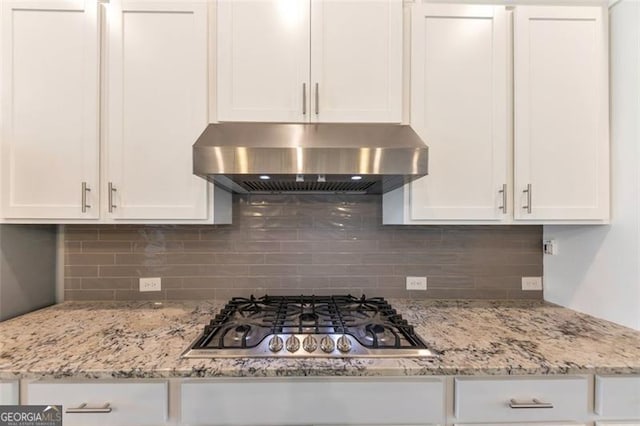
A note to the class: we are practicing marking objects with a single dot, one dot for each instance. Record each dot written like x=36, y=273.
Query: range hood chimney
x=319, y=158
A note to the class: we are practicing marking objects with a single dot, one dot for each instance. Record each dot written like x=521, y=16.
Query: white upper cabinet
x=513, y=138
x=459, y=107
x=561, y=114
x=356, y=60
x=309, y=60
x=50, y=86
x=157, y=107
x=263, y=60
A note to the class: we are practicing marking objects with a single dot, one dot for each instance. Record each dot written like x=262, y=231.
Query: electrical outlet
x=416, y=283
x=531, y=283
x=550, y=247
x=150, y=284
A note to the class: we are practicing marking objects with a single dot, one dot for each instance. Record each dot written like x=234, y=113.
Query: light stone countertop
x=80, y=340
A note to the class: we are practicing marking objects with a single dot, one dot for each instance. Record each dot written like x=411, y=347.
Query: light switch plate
x=417, y=283
x=150, y=284
x=531, y=283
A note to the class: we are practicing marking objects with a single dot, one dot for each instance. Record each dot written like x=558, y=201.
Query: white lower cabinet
x=631, y=423
x=341, y=401
x=8, y=393
x=522, y=424
x=618, y=398
x=351, y=401
x=622, y=423
x=123, y=403
x=521, y=400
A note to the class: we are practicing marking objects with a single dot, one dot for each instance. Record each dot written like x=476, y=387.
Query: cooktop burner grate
x=327, y=326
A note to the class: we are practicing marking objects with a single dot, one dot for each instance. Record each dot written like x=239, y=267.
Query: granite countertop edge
x=141, y=340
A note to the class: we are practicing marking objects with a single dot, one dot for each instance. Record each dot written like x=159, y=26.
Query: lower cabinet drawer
x=512, y=400
x=313, y=401
x=618, y=397
x=522, y=424
x=620, y=423
x=8, y=393
x=130, y=403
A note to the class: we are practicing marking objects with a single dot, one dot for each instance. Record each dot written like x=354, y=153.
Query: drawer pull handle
x=106, y=408
x=534, y=403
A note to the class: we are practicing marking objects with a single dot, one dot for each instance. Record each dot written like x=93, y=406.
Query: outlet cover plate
x=531, y=283
x=417, y=283
x=150, y=284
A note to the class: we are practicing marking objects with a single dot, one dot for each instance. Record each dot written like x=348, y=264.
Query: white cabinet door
x=157, y=107
x=500, y=400
x=618, y=397
x=561, y=114
x=8, y=393
x=263, y=60
x=356, y=60
x=459, y=107
x=296, y=401
x=50, y=85
x=522, y=424
x=130, y=403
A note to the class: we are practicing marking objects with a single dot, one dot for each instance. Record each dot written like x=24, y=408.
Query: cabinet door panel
x=343, y=402
x=459, y=107
x=263, y=60
x=488, y=400
x=561, y=113
x=8, y=393
x=356, y=60
x=157, y=82
x=618, y=397
x=49, y=109
x=132, y=403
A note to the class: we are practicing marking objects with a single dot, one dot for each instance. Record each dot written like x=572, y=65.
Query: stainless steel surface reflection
x=301, y=158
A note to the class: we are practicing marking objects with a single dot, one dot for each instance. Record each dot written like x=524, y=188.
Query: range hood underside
x=308, y=184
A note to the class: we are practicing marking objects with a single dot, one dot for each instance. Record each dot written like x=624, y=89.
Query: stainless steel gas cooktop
x=308, y=326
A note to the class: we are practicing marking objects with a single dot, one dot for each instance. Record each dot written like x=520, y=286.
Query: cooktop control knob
x=293, y=344
x=326, y=344
x=309, y=344
x=275, y=344
x=343, y=344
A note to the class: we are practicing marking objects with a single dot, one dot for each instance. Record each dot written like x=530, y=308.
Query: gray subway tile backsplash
x=294, y=244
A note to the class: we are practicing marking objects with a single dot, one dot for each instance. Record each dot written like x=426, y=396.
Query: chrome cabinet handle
x=317, y=98
x=304, y=98
x=106, y=408
x=528, y=192
x=85, y=189
x=534, y=403
x=112, y=189
x=503, y=191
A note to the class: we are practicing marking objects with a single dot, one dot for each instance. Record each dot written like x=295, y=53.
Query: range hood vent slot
x=292, y=186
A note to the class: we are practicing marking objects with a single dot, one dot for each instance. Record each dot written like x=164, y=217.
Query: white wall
x=597, y=268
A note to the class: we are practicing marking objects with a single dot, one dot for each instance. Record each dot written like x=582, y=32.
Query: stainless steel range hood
x=335, y=158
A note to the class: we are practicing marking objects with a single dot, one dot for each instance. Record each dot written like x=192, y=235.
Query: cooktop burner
x=308, y=326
